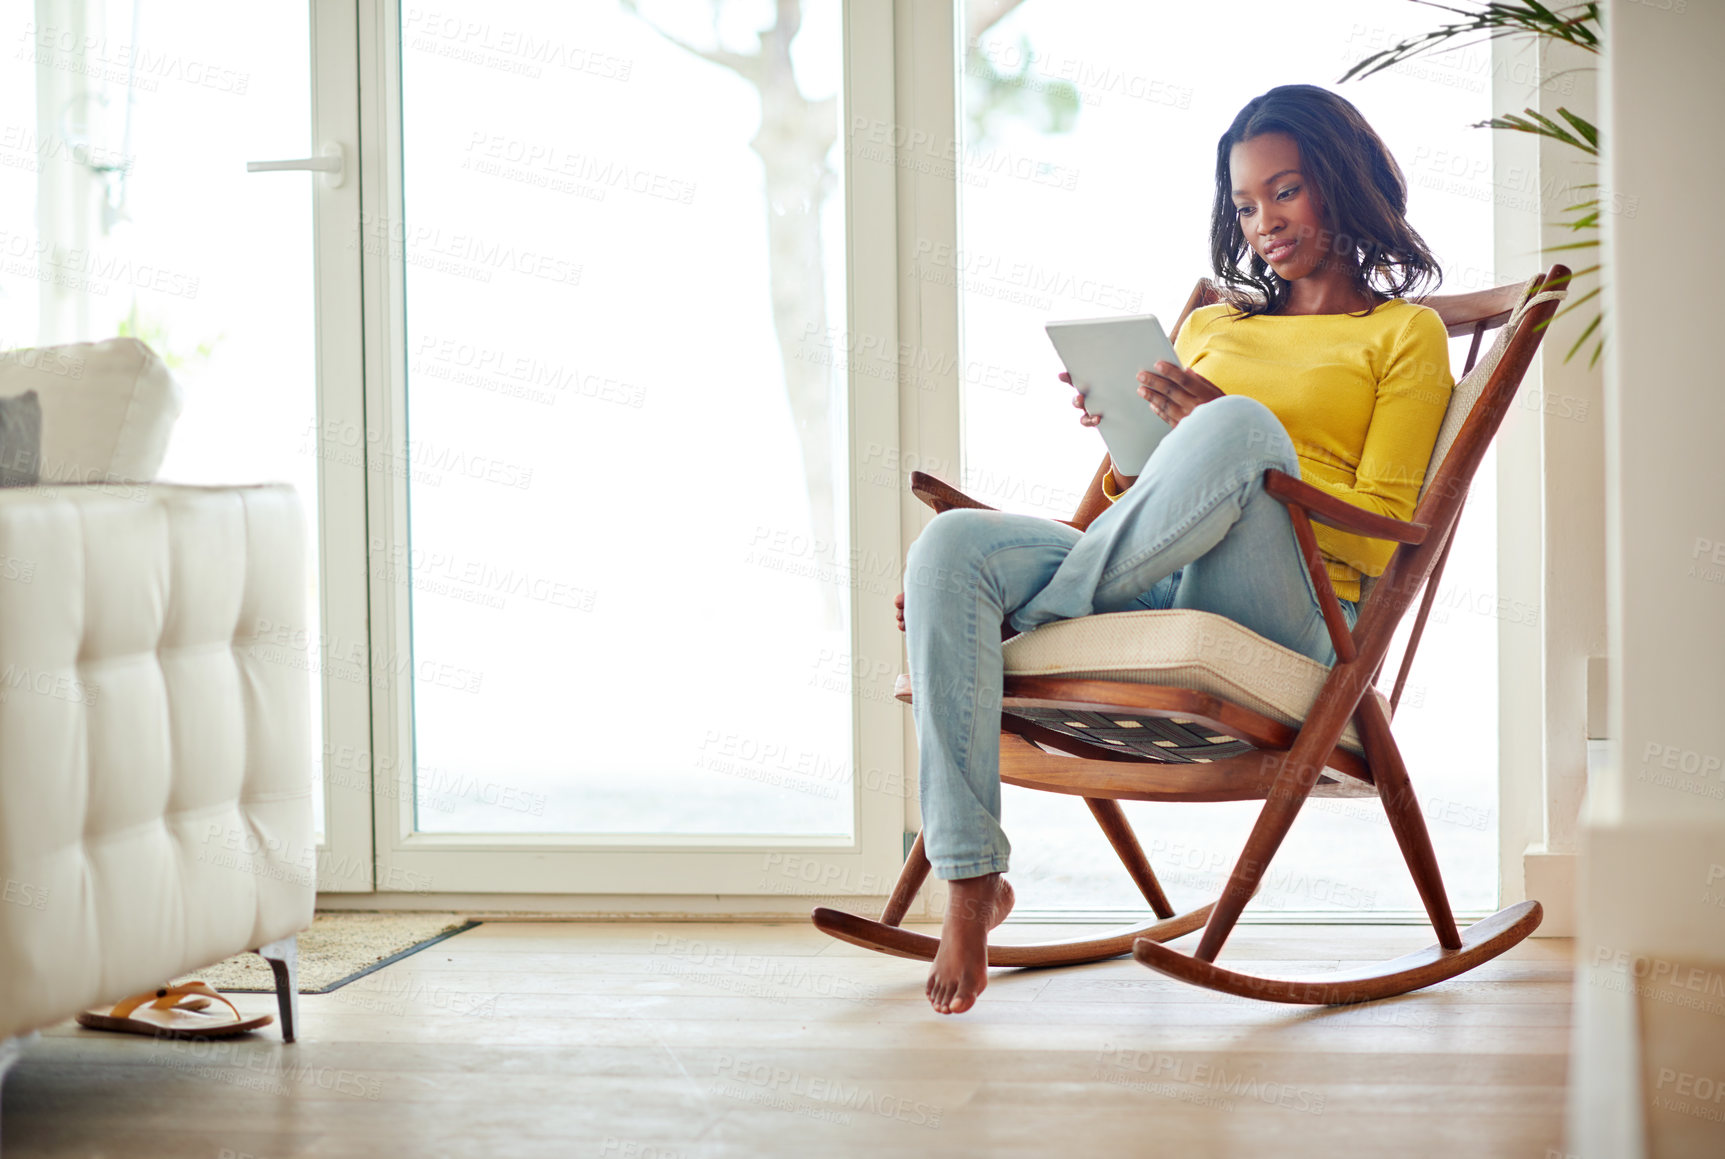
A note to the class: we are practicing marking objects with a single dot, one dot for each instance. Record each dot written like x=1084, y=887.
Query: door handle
x=331, y=163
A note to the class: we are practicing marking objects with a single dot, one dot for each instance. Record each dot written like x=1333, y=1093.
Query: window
x=1085, y=191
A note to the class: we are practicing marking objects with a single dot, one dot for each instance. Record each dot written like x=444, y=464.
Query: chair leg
x=1112, y=818
x=1293, y=785
x=1396, y=791
x=886, y=937
x=283, y=957
x=910, y=880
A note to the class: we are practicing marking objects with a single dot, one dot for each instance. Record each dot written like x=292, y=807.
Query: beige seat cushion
x=1178, y=649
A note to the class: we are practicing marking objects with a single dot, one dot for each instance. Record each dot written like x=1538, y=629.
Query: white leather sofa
x=155, y=763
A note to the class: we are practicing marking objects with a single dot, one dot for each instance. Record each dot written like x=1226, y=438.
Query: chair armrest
x=1325, y=508
x=944, y=497
x=940, y=495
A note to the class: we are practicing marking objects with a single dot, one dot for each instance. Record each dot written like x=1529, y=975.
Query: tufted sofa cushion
x=107, y=408
x=155, y=764
x=1178, y=649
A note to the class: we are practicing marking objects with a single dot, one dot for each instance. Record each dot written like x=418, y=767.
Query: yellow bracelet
x=1111, y=496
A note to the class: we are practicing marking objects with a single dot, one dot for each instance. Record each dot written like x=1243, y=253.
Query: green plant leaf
x=1591, y=327
x=1582, y=126
x=1511, y=121
x=1558, y=131
x=1502, y=18
x=1568, y=306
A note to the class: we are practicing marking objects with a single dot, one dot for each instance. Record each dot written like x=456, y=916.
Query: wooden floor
x=658, y=1041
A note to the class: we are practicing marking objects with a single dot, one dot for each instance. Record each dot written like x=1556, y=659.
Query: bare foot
x=974, y=905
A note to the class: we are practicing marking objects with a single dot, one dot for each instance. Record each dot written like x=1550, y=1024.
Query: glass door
x=615, y=540
x=126, y=208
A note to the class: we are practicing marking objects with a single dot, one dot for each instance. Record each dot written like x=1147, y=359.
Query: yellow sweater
x=1361, y=398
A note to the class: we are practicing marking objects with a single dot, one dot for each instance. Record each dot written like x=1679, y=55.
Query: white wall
x=1551, y=479
x=1571, y=413
x=1653, y=839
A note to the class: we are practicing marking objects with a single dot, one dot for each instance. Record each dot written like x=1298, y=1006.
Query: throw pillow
x=20, y=439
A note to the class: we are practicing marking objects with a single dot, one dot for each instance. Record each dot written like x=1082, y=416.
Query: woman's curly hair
x=1363, y=192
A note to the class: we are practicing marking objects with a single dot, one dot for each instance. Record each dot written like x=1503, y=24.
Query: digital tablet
x=1104, y=356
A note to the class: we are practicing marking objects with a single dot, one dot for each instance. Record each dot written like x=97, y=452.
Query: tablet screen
x=1104, y=356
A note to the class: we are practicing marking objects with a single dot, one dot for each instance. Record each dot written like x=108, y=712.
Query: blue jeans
x=1195, y=531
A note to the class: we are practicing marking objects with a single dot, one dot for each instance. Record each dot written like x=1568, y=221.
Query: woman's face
x=1278, y=211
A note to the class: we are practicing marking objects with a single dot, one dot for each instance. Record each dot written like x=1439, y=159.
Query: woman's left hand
x=1174, y=391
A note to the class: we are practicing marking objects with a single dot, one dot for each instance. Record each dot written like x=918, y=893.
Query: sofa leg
x=283, y=957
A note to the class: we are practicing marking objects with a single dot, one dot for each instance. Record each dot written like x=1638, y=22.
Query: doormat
x=338, y=948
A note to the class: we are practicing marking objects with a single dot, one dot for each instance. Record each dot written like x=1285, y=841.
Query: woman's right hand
x=1090, y=420
x=1085, y=419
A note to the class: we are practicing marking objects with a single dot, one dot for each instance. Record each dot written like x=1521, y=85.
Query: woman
x=1313, y=364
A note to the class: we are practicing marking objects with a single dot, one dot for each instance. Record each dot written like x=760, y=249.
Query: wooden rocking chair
x=1189, y=706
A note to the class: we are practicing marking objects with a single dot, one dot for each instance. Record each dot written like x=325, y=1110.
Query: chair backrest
x=1477, y=405
x=1501, y=308
x=1477, y=409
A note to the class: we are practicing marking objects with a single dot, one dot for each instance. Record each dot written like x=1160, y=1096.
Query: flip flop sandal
x=173, y=1012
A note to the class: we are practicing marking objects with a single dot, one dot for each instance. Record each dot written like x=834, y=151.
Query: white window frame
x=507, y=864
x=345, y=860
